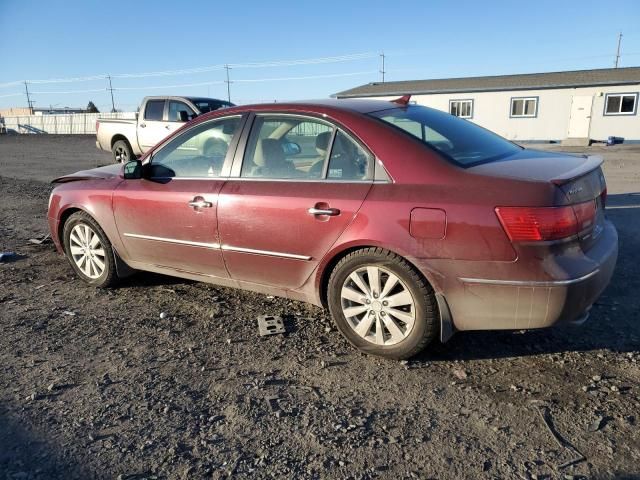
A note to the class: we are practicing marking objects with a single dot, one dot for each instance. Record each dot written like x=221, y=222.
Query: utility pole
x=29, y=102
x=228, y=82
x=113, y=104
x=382, y=70
x=618, y=51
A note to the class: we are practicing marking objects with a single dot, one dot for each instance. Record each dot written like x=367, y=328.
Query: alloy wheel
x=378, y=305
x=87, y=251
x=120, y=155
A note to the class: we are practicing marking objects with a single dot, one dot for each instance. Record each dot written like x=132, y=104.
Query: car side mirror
x=132, y=170
x=291, y=148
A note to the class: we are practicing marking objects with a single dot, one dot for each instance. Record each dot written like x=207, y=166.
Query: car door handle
x=167, y=127
x=324, y=211
x=200, y=203
x=142, y=125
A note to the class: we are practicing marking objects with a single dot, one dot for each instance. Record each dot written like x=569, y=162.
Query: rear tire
x=381, y=304
x=89, y=251
x=122, y=152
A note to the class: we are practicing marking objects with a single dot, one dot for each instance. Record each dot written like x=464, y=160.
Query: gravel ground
x=98, y=384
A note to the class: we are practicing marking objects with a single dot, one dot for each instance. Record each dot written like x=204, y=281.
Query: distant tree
x=91, y=108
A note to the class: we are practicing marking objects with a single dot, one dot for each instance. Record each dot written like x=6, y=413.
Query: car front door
x=152, y=127
x=175, y=112
x=300, y=183
x=168, y=218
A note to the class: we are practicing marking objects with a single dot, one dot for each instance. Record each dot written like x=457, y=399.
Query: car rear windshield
x=460, y=141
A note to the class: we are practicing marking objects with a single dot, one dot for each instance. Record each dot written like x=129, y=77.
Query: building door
x=580, y=119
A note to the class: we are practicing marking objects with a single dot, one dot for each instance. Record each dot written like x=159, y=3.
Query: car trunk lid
x=578, y=177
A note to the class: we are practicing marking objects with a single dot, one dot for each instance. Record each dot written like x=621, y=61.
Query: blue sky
x=421, y=39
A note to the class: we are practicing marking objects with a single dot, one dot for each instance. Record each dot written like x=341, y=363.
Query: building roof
x=528, y=81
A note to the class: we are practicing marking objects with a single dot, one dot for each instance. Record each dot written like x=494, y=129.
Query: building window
x=620, y=104
x=524, y=107
x=461, y=108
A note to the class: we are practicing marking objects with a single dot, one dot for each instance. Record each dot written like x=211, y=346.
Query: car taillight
x=530, y=224
x=585, y=215
x=603, y=197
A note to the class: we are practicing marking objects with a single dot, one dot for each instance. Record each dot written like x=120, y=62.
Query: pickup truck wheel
x=122, y=152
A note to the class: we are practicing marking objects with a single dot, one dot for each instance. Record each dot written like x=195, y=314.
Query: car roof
x=354, y=104
x=361, y=106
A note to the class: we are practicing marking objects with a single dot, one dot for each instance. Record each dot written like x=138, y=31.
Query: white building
x=575, y=106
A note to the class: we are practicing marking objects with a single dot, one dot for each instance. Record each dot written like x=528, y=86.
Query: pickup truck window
x=175, y=108
x=199, y=152
x=154, y=110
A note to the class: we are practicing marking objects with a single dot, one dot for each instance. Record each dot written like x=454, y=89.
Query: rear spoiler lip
x=591, y=163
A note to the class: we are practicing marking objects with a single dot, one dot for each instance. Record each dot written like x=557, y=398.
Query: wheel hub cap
x=378, y=305
x=87, y=251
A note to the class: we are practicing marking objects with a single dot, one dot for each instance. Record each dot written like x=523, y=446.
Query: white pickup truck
x=156, y=118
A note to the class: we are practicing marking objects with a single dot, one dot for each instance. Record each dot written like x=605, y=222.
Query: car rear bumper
x=503, y=304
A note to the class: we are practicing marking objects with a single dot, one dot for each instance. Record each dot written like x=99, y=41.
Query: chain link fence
x=66, y=123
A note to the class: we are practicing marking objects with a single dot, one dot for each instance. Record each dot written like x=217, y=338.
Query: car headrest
x=272, y=152
x=230, y=127
x=322, y=140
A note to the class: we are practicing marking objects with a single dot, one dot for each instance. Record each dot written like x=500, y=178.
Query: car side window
x=154, y=110
x=198, y=153
x=286, y=147
x=348, y=161
x=175, y=109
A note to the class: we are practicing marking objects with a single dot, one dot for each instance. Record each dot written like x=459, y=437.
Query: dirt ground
x=97, y=384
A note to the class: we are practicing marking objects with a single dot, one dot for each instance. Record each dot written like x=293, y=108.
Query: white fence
x=66, y=123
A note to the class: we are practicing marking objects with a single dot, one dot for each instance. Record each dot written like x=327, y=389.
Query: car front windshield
x=206, y=105
x=460, y=141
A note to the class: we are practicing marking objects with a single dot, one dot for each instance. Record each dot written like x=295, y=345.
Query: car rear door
x=168, y=218
x=153, y=127
x=295, y=186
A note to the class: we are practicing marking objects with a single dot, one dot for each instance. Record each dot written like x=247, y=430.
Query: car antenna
x=404, y=100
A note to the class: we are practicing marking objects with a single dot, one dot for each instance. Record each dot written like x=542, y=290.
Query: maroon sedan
x=406, y=222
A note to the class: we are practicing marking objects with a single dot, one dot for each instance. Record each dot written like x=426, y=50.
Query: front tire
x=89, y=251
x=381, y=304
x=122, y=152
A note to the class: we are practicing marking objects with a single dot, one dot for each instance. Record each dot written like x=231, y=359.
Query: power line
x=309, y=77
x=200, y=84
x=269, y=64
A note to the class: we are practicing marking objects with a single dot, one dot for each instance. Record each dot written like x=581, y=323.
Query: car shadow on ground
x=24, y=454
x=613, y=324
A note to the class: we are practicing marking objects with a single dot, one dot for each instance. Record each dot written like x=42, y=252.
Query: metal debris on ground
x=8, y=256
x=270, y=325
x=41, y=241
x=560, y=440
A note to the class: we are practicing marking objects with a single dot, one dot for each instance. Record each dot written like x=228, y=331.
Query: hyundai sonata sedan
x=407, y=223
